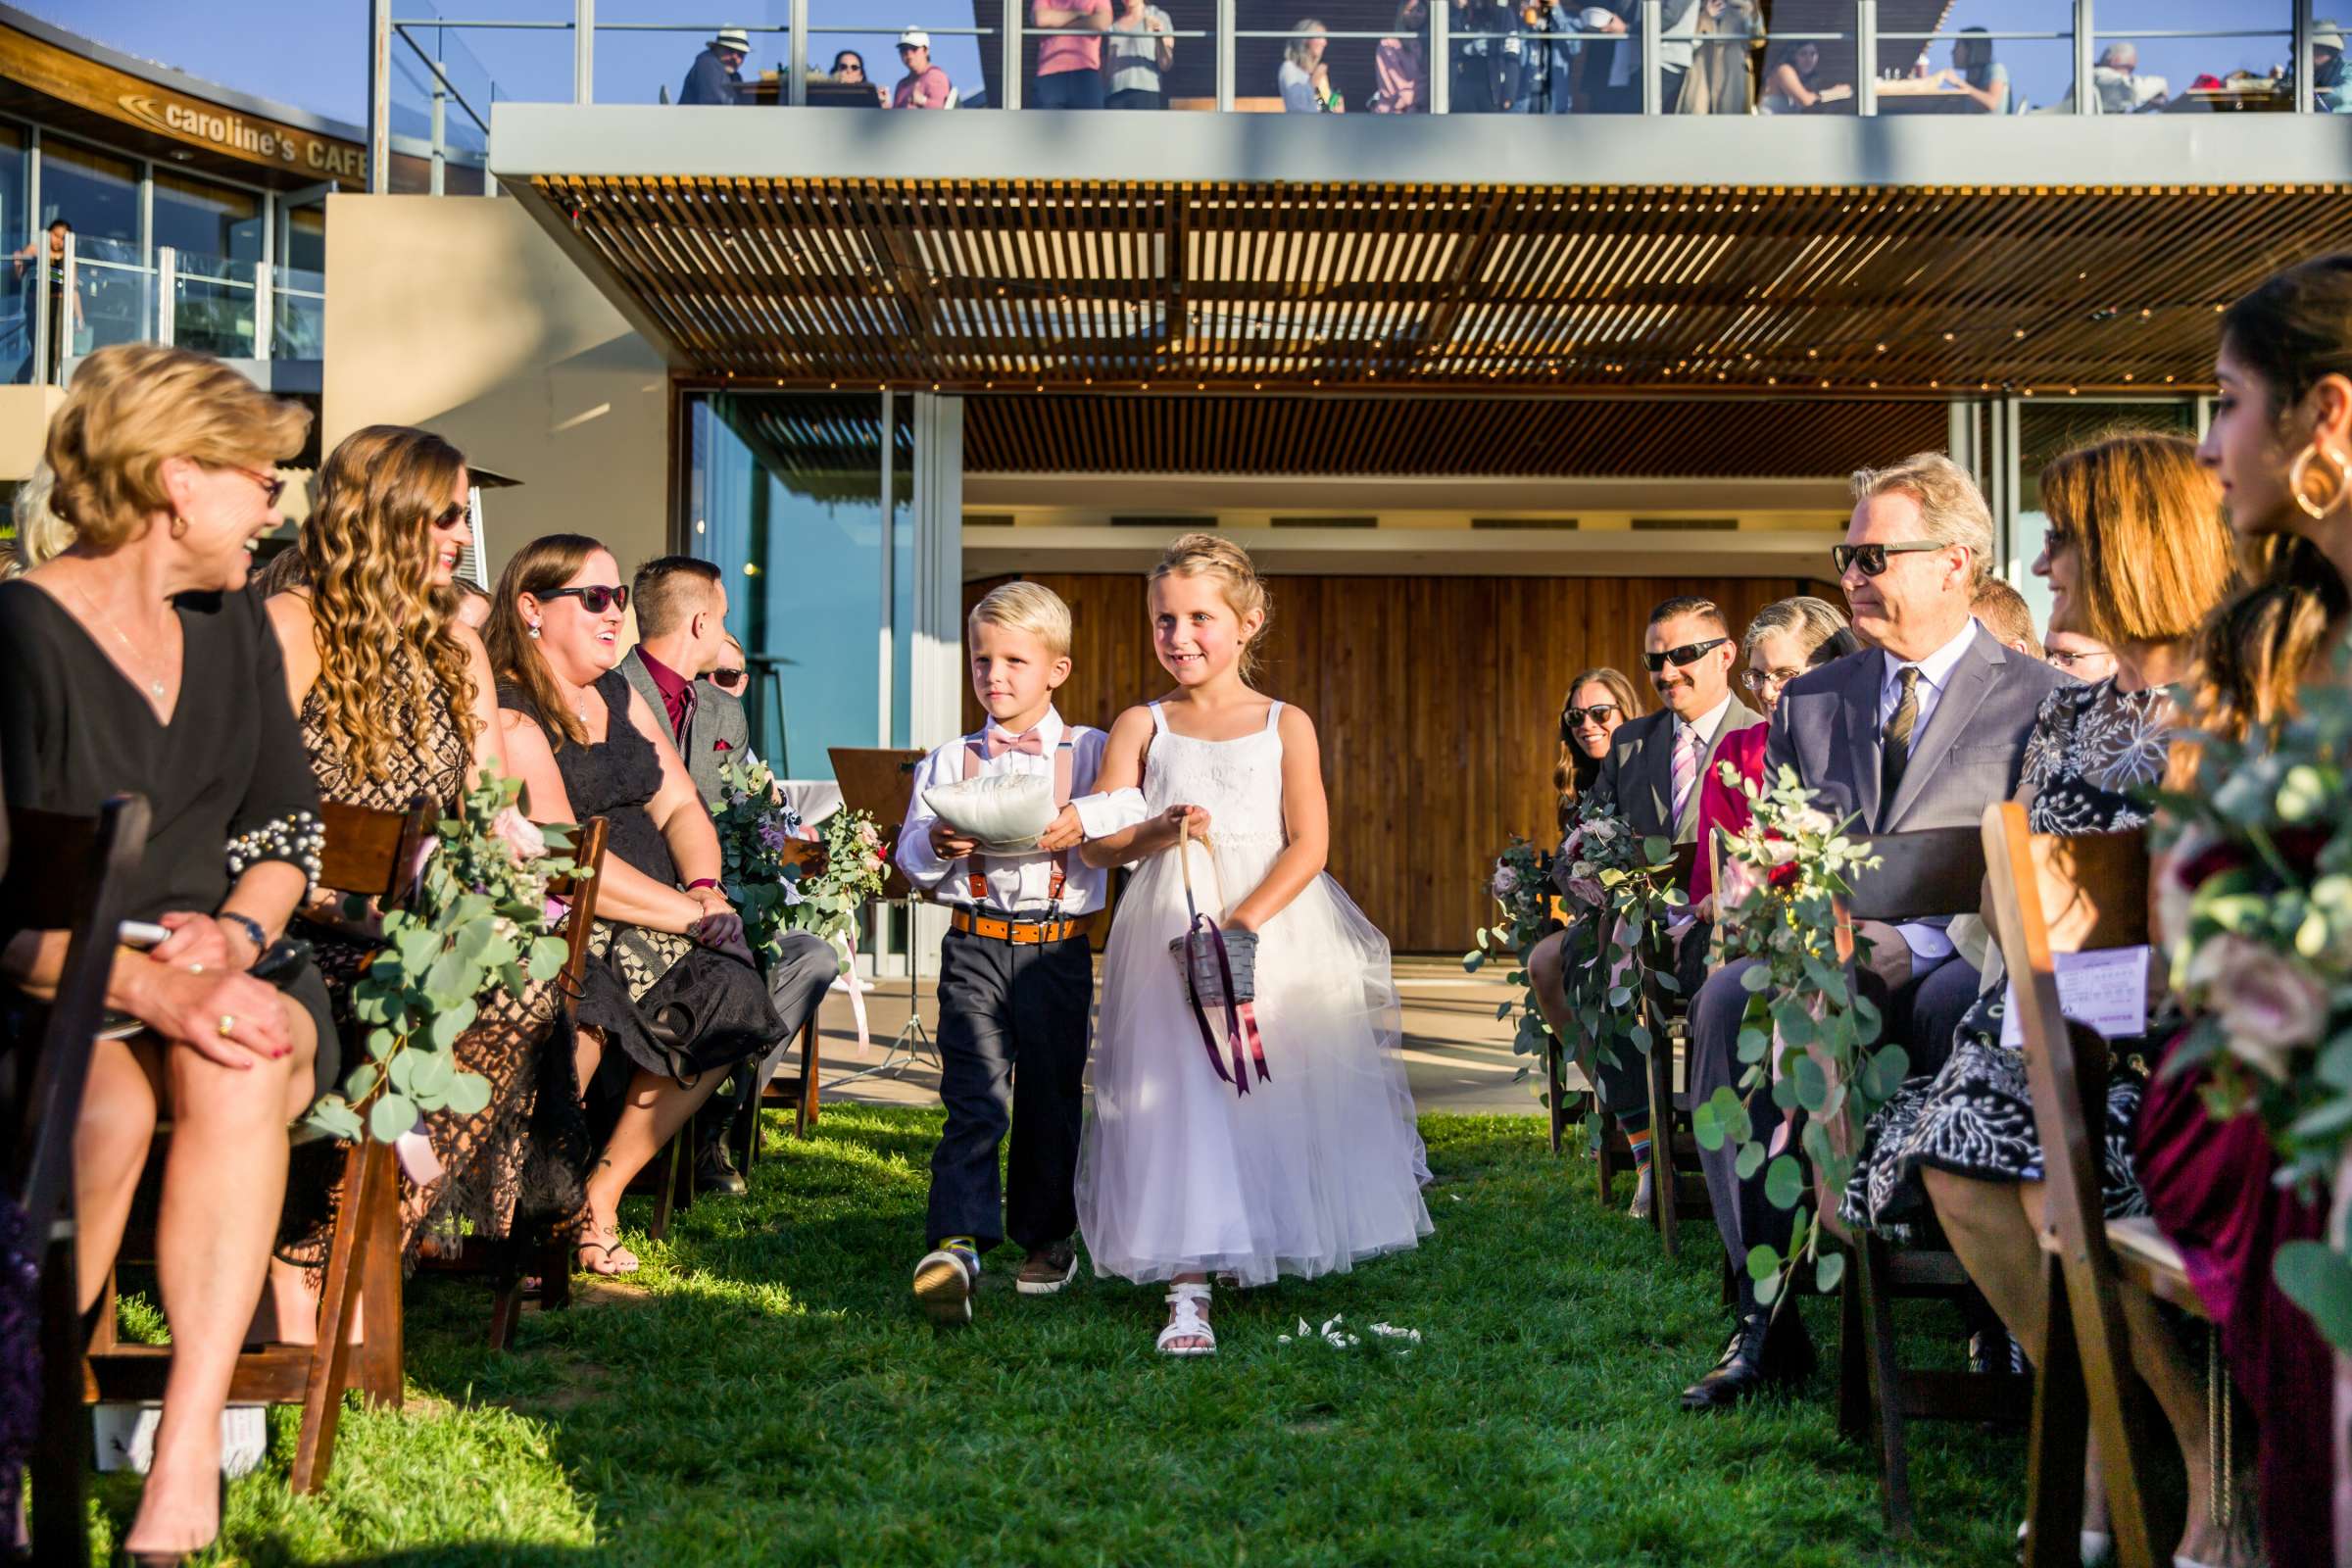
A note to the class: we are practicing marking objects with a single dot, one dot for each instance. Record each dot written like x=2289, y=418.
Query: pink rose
x=520, y=833
x=2268, y=1005
x=1504, y=882
x=1585, y=890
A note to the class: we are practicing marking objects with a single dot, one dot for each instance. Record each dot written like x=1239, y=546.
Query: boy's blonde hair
x=1029, y=607
x=1204, y=555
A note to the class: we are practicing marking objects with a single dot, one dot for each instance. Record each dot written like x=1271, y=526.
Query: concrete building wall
x=459, y=315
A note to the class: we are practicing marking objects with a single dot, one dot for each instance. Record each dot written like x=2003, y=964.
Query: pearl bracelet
x=296, y=838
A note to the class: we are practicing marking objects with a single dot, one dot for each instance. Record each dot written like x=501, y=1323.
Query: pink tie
x=999, y=743
x=1686, y=767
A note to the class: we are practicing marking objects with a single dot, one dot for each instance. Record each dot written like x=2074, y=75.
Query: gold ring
x=229, y=1024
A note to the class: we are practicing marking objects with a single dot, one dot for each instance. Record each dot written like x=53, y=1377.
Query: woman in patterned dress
x=2136, y=554
x=396, y=701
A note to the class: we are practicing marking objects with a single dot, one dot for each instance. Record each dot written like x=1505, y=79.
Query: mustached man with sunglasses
x=1652, y=772
x=1923, y=729
x=681, y=636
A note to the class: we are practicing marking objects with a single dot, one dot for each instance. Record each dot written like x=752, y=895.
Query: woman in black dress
x=673, y=1000
x=135, y=665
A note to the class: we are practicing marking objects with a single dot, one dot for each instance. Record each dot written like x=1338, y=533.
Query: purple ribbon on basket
x=1202, y=937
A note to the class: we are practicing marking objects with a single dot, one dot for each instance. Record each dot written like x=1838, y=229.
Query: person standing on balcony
x=1141, y=48
x=1069, y=66
x=62, y=320
x=716, y=75
x=1487, y=61
x=1401, y=65
x=926, y=86
x=1304, y=79
x=1678, y=23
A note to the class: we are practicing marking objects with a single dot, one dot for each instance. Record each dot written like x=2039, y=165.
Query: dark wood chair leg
x=330, y=1356
x=743, y=1133
x=665, y=1192
x=1552, y=1090
x=1887, y=1412
x=1664, y=1177
x=59, y=1475
x=383, y=1331
x=2061, y=1435
x=811, y=1052
x=1612, y=1161
x=1853, y=1367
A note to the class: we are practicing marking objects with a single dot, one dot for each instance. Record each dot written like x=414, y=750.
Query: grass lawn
x=763, y=1394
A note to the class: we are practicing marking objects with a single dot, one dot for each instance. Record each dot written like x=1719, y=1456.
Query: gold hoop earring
x=2300, y=469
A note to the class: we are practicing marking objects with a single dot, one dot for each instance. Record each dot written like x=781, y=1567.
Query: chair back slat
x=374, y=852
x=587, y=852
x=1921, y=875
x=100, y=884
x=50, y=880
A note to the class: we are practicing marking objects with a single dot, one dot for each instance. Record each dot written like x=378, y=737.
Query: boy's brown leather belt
x=1020, y=933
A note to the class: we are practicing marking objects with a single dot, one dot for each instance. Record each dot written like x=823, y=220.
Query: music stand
x=879, y=780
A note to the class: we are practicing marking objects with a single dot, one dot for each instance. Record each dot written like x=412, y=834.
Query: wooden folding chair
x=41, y=1173
x=2057, y=895
x=1678, y=1183
x=1924, y=874
x=377, y=855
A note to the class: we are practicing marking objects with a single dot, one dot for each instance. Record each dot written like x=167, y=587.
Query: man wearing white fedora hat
x=715, y=77
x=926, y=86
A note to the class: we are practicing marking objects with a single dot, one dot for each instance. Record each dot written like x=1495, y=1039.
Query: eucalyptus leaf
x=431, y=1078
x=468, y=1095
x=1763, y=1264
x=1828, y=1270
x=1812, y=1085
x=453, y=980
x=1706, y=1125
x=2318, y=1279
x=1783, y=1181
x=336, y=1120
x=1754, y=1044
x=391, y=1116
x=1751, y=1161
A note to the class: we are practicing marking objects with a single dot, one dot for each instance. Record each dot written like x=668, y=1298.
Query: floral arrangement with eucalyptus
x=775, y=893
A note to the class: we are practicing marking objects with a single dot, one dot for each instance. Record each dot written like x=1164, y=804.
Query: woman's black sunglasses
x=596, y=601
x=1688, y=654
x=727, y=677
x=1573, y=718
x=1873, y=557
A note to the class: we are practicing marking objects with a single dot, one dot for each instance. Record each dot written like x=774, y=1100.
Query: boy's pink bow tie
x=999, y=742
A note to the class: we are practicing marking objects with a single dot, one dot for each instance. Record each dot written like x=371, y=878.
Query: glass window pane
x=99, y=196
x=850, y=52
x=2046, y=429
x=901, y=570
x=197, y=217
x=648, y=50
x=302, y=238
x=16, y=321
x=1986, y=57
x=1319, y=56
x=785, y=492
x=2244, y=58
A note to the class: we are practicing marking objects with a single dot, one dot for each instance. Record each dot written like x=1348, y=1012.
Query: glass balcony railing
x=103, y=292
x=1548, y=56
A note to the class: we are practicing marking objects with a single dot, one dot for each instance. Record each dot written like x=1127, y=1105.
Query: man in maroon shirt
x=926, y=86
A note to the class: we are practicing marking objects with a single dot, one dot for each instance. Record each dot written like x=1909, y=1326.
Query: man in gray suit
x=681, y=635
x=1651, y=773
x=1922, y=730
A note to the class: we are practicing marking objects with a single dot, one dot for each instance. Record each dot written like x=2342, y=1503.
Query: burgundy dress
x=2208, y=1184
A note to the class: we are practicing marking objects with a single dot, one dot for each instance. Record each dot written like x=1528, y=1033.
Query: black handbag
x=1218, y=969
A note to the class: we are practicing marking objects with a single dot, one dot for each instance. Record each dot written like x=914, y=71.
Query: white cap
x=914, y=38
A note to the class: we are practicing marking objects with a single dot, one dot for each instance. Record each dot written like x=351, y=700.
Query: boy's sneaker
x=944, y=1282
x=1048, y=1270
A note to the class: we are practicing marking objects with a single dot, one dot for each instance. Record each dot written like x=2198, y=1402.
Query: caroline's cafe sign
x=264, y=140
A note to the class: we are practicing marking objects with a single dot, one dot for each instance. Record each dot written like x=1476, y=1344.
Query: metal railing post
x=265, y=310
x=1225, y=48
x=584, y=51
x=795, y=84
x=439, y=179
x=166, y=295
x=2087, y=85
x=1866, y=57
x=379, y=96
x=2307, y=99
x=1653, y=92
x=1011, y=69
x=1441, y=60
x=43, y=329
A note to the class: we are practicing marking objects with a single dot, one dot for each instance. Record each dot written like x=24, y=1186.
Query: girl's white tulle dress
x=1316, y=1167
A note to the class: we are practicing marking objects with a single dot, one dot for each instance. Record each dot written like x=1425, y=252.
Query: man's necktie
x=1894, y=756
x=1686, y=767
x=999, y=742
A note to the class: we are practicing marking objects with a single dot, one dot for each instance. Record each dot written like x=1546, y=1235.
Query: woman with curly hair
x=396, y=701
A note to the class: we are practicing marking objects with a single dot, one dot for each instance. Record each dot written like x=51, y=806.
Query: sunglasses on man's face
x=1873, y=558
x=1687, y=655
x=596, y=601
x=1575, y=718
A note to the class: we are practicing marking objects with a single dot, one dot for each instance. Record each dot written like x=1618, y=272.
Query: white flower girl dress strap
x=1159, y=721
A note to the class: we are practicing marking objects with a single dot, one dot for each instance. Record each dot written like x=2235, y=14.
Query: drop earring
x=534, y=631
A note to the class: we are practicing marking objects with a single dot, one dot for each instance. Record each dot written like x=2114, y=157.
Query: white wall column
x=936, y=679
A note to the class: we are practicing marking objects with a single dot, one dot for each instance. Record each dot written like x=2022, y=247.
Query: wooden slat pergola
x=1144, y=286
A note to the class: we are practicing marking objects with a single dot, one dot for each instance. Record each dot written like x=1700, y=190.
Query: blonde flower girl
x=1319, y=1164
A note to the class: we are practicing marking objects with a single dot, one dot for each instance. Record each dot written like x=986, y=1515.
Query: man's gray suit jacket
x=1969, y=754
x=1638, y=774
x=717, y=718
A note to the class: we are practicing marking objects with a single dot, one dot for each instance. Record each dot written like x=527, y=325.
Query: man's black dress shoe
x=715, y=1172
x=1763, y=1352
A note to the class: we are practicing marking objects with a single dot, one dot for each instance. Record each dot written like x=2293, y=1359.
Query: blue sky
x=312, y=53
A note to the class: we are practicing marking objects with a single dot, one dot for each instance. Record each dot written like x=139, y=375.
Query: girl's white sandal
x=1185, y=1322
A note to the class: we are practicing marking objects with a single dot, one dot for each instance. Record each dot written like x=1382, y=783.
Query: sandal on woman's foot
x=612, y=1262
x=1186, y=1299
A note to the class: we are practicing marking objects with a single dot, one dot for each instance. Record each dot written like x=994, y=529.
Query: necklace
x=156, y=687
